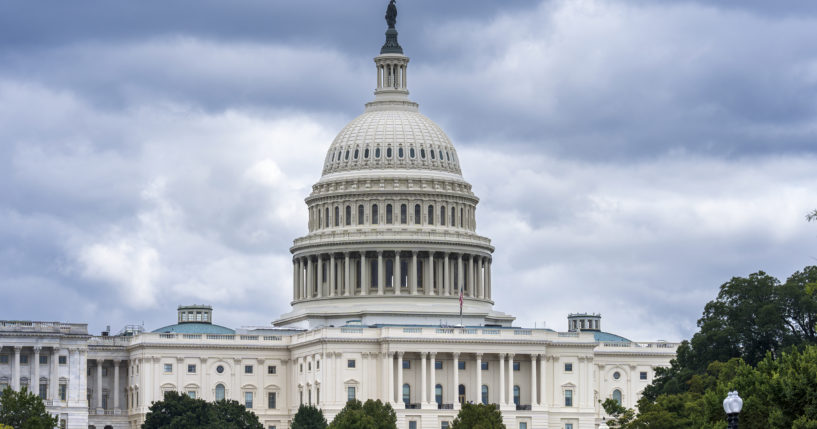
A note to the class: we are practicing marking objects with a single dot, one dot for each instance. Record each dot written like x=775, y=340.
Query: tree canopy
x=24, y=410
x=369, y=415
x=478, y=416
x=179, y=411
x=309, y=417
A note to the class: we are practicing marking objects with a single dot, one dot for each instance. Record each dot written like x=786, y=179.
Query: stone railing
x=45, y=327
x=658, y=346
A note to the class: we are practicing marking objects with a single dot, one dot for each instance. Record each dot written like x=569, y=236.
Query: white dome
x=391, y=139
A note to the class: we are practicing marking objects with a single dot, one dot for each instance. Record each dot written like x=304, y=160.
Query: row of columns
x=342, y=277
x=75, y=359
x=391, y=75
x=322, y=216
x=98, y=391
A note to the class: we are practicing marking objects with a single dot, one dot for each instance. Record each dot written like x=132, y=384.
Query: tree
x=478, y=416
x=230, y=414
x=621, y=416
x=371, y=415
x=309, y=417
x=179, y=411
x=24, y=410
x=812, y=216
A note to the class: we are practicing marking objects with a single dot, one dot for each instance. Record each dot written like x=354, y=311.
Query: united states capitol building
x=392, y=299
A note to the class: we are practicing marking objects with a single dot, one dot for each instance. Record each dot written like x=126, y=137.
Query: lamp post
x=732, y=406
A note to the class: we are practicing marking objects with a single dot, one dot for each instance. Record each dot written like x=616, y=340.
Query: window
x=516, y=366
x=220, y=369
x=357, y=152
x=271, y=369
x=568, y=398
x=417, y=218
x=301, y=367
x=309, y=366
x=568, y=367
x=423, y=153
x=406, y=364
x=350, y=363
x=248, y=399
x=350, y=393
x=444, y=425
x=438, y=364
x=431, y=152
x=413, y=424
x=411, y=152
x=403, y=214
x=191, y=369
x=247, y=369
x=348, y=215
x=442, y=215
x=461, y=364
x=485, y=366
x=616, y=375
x=168, y=367
x=431, y=215
x=400, y=152
x=374, y=214
x=104, y=371
x=388, y=214
x=516, y=395
x=63, y=391
x=24, y=359
x=366, y=153
x=453, y=215
x=326, y=217
x=191, y=394
x=3, y=386
x=271, y=400
x=219, y=392
x=438, y=394
x=347, y=155
x=43, y=390
x=406, y=394
x=485, y=394
x=568, y=425
x=360, y=215
x=642, y=375
x=337, y=216
x=461, y=393
x=523, y=425
x=5, y=359
x=388, y=152
x=617, y=396
x=377, y=153
x=43, y=360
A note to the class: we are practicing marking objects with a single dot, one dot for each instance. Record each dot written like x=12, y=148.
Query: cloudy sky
x=630, y=156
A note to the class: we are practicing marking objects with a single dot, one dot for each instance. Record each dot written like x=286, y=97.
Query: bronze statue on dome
x=391, y=14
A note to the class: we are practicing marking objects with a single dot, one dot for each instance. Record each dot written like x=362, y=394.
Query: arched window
x=485, y=394
x=431, y=152
x=406, y=394
x=357, y=151
x=347, y=154
x=377, y=153
x=442, y=215
x=348, y=215
x=366, y=153
x=417, y=218
x=430, y=214
x=219, y=392
x=326, y=217
x=403, y=215
x=461, y=395
x=516, y=395
x=337, y=216
x=617, y=396
x=388, y=152
x=400, y=152
x=411, y=152
x=423, y=153
x=438, y=394
x=453, y=216
x=374, y=214
x=360, y=215
x=388, y=214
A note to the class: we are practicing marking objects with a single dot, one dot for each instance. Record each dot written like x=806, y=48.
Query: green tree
x=478, y=416
x=179, y=411
x=229, y=414
x=24, y=410
x=620, y=416
x=371, y=415
x=309, y=417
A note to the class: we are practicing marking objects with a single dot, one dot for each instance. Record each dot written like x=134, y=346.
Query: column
x=364, y=274
x=481, y=278
x=98, y=392
x=116, y=364
x=446, y=279
x=413, y=274
x=501, y=379
x=34, y=384
x=391, y=377
x=331, y=274
x=542, y=380
x=460, y=276
x=488, y=280
x=294, y=280
x=433, y=376
x=347, y=279
x=423, y=376
x=381, y=273
x=309, y=276
x=456, y=389
x=478, y=397
x=471, y=276
x=429, y=286
x=54, y=377
x=510, y=378
x=400, y=378
x=15, y=372
x=533, y=395
x=398, y=277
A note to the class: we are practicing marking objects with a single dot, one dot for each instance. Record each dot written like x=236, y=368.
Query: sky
x=630, y=156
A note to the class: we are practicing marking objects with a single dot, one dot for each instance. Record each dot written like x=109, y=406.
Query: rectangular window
x=516, y=366
x=247, y=369
x=568, y=367
x=350, y=393
x=568, y=398
x=43, y=390
x=350, y=363
x=270, y=427
x=43, y=360
x=643, y=375
x=444, y=425
x=63, y=360
x=461, y=364
x=413, y=424
x=168, y=367
x=191, y=369
x=4, y=358
x=191, y=393
x=63, y=390
x=271, y=400
x=406, y=364
x=438, y=364
x=568, y=425
x=485, y=366
x=24, y=359
x=523, y=425
x=271, y=369
x=248, y=399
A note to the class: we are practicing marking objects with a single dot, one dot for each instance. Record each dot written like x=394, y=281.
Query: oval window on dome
x=347, y=154
x=447, y=156
x=357, y=151
x=388, y=152
x=377, y=153
x=423, y=153
x=431, y=152
x=366, y=153
x=411, y=152
x=441, y=155
x=400, y=152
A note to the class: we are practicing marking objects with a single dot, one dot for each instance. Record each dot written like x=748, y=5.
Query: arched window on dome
x=219, y=392
x=412, y=153
x=388, y=152
x=403, y=215
x=326, y=217
x=347, y=154
x=431, y=152
x=357, y=151
x=447, y=156
x=485, y=394
x=441, y=155
x=389, y=214
x=400, y=152
x=337, y=216
x=389, y=272
x=417, y=218
x=422, y=153
x=617, y=396
x=366, y=154
x=377, y=153
x=374, y=214
x=442, y=215
x=453, y=216
x=430, y=214
x=360, y=215
x=348, y=215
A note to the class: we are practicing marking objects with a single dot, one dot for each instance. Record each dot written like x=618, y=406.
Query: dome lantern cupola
x=391, y=89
